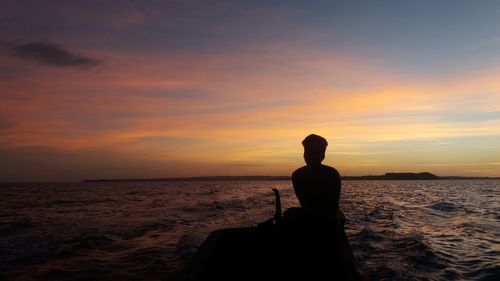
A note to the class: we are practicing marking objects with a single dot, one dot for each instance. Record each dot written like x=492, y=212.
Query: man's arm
x=337, y=187
x=297, y=187
x=337, y=192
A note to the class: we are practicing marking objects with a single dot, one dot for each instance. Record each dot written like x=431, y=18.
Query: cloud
x=49, y=54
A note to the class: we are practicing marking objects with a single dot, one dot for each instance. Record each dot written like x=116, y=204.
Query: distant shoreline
x=387, y=176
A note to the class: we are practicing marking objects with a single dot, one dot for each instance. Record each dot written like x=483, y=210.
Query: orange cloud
x=242, y=108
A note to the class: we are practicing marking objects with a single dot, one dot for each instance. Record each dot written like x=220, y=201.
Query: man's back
x=318, y=190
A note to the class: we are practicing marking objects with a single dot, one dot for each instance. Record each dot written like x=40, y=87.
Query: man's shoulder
x=299, y=171
x=305, y=170
x=331, y=170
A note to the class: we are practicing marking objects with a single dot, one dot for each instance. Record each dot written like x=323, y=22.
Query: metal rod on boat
x=277, y=214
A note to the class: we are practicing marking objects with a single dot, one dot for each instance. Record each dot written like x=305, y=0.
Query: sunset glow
x=189, y=89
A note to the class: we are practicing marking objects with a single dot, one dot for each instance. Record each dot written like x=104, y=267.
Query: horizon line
x=255, y=177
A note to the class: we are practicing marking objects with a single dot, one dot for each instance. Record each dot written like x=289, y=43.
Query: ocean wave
x=188, y=244
x=490, y=273
x=383, y=273
x=229, y=204
x=369, y=234
x=444, y=206
x=259, y=199
x=212, y=191
x=382, y=211
x=15, y=227
x=89, y=242
x=84, y=202
x=419, y=252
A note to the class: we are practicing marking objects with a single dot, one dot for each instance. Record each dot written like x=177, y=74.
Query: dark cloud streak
x=49, y=54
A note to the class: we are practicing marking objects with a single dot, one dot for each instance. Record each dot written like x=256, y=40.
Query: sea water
x=399, y=230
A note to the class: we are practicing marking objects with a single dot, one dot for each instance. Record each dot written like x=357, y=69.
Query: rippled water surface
x=399, y=230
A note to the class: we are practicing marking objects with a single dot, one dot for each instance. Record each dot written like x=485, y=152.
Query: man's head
x=314, y=149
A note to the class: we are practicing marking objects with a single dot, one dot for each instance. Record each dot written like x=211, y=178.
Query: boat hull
x=274, y=252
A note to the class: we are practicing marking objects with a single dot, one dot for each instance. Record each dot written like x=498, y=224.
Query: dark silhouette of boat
x=283, y=248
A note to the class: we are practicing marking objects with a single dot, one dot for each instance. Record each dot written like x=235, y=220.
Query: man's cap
x=315, y=141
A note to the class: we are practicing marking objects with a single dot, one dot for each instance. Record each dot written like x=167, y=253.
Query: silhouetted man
x=323, y=249
x=317, y=186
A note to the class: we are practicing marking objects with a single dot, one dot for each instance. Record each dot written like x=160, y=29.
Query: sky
x=140, y=89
